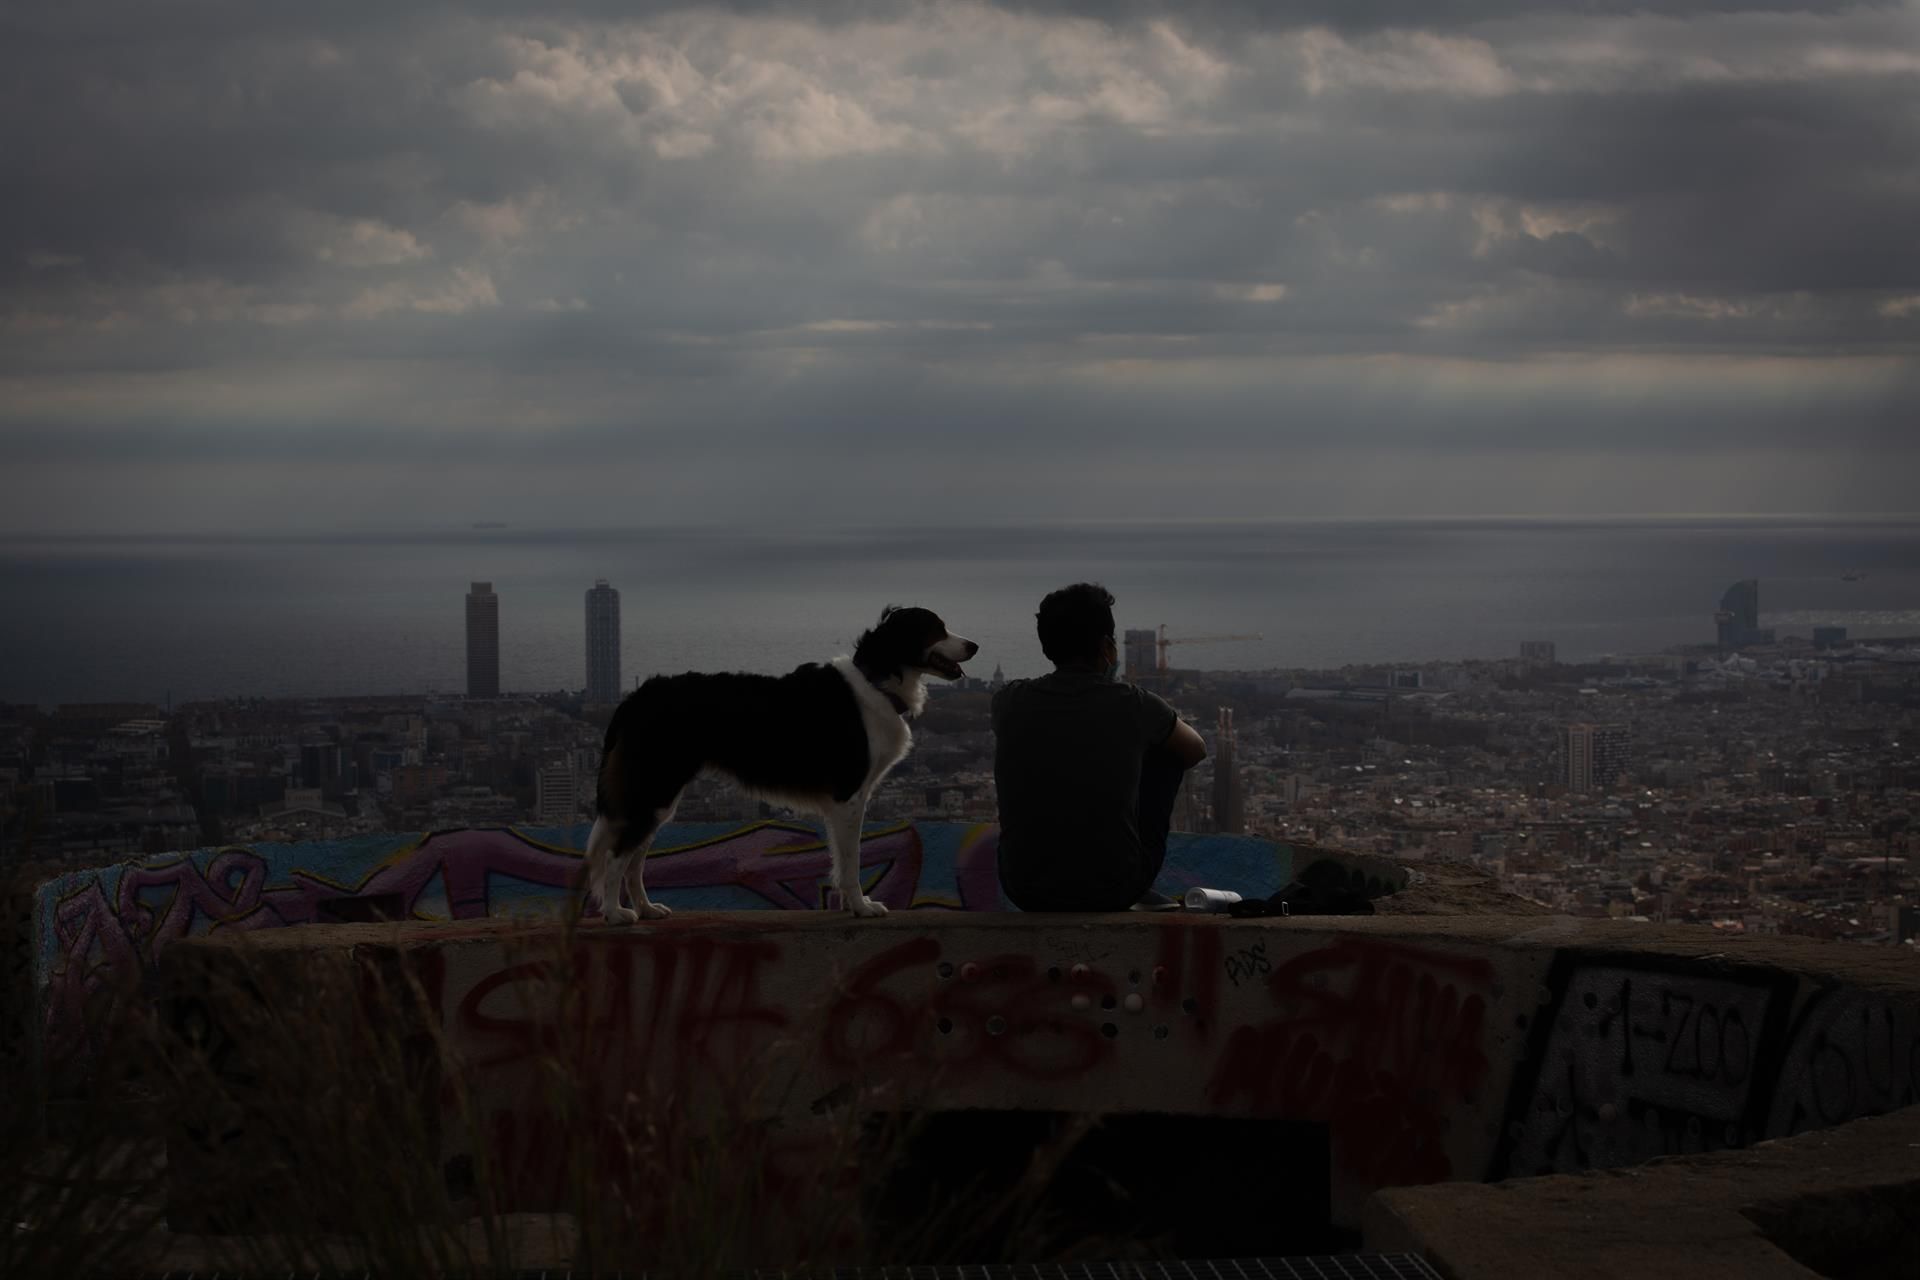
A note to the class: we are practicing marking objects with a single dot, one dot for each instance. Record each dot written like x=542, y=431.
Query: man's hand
x=1185, y=744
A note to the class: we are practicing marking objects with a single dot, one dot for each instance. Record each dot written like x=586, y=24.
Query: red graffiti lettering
x=997, y=1013
x=1188, y=967
x=1378, y=1040
x=696, y=1015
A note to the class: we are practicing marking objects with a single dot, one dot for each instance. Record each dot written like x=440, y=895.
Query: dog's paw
x=620, y=915
x=654, y=911
x=862, y=905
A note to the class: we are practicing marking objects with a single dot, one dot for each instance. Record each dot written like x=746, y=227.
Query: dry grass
x=256, y=1118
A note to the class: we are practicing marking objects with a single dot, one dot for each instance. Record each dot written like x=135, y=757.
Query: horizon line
x=508, y=530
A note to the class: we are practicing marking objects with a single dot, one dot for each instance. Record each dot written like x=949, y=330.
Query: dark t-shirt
x=1067, y=750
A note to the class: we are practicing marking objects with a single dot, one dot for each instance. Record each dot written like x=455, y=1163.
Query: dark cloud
x=515, y=237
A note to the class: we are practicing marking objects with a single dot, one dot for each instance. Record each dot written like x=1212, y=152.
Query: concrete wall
x=1432, y=1048
x=106, y=926
x=1395, y=1042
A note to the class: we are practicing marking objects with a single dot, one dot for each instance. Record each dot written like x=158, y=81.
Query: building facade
x=1737, y=621
x=603, y=644
x=557, y=794
x=1142, y=655
x=1593, y=757
x=483, y=642
x=1537, y=653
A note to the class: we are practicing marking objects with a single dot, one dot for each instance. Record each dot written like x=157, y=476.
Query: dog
x=818, y=739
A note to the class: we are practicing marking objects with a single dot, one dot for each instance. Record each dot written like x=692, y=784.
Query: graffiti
x=910, y=1008
x=105, y=945
x=665, y=1011
x=1001, y=1011
x=1853, y=1053
x=1186, y=977
x=97, y=958
x=1248, y=962
x=107, y=926
x=646, y=1022
x=1405, y=1053
x=686, y=1016
x=683, y=1015
x=1379, y=1040
x=110, y=926
x=1633, y=1060
x=1639, y=1062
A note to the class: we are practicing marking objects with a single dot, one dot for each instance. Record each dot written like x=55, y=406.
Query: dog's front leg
x=636, y=882
x=843, y=838
x=635, y=874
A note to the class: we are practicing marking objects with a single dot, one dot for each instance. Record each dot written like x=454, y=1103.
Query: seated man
x=1087, y=768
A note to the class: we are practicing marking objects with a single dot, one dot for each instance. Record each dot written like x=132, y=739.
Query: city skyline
x=1762, y=796
x=327, y=632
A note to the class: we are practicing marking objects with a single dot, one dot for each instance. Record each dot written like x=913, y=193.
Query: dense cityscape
x=1757, y=783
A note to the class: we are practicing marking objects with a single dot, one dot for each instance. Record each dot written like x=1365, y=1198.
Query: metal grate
x=1332, y=1266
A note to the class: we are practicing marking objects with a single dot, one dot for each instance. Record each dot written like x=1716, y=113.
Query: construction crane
x=1163, y=642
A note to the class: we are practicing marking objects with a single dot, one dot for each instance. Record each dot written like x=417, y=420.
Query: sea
x=172, y=619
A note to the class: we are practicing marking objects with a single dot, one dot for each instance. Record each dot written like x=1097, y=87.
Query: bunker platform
x=1422, y=1049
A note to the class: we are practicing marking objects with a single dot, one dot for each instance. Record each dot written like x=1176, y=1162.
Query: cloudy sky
x=267, y=264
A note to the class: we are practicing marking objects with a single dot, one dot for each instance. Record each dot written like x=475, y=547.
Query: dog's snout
x=972, y=648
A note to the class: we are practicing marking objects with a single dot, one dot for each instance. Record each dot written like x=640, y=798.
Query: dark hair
x=1074, y=620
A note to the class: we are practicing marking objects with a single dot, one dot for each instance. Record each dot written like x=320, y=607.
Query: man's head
x=1076, y=626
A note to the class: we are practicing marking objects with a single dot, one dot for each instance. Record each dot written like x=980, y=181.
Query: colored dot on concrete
x=1134, y=1003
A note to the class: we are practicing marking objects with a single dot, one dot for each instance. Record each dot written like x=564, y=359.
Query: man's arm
x=1186, y=744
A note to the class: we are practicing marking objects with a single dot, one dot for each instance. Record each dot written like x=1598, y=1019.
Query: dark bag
x=1324, y=889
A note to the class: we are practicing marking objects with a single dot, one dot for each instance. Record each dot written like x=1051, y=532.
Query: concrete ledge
x=1433, y=1048
x=102, y=929
x=1840, y=1202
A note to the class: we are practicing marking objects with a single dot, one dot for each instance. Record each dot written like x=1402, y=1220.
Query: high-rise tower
x=603, y=644
x=483, y=642
x=1229, y=803
x=1738, y=618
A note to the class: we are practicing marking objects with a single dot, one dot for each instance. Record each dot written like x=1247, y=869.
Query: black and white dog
x=819, y=739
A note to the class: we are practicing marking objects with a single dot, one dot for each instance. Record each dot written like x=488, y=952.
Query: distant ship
x=1853, y=575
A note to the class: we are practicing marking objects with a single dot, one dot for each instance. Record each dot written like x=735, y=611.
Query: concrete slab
x=1838, y=1202
x=1433, y=1048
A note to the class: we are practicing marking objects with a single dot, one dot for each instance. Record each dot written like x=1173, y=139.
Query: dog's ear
x=881, y=648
